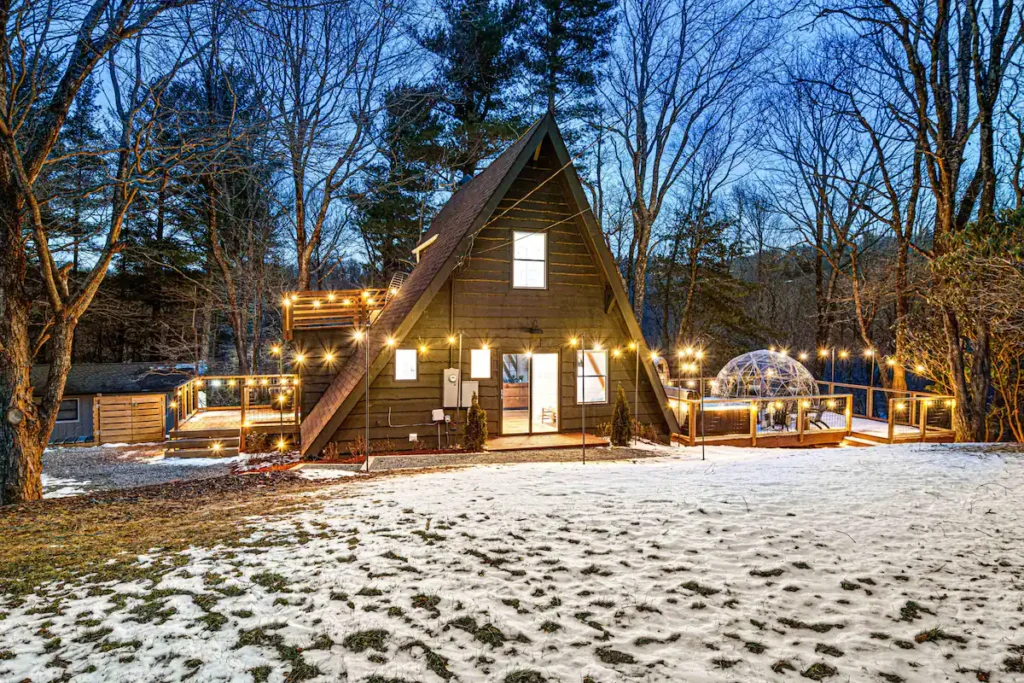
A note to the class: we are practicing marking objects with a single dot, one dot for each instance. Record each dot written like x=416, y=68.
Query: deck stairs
x=202, y=443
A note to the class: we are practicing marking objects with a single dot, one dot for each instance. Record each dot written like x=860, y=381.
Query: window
x=480, y=364
x=592, y=376
x=68, y=411
x=405, y=364
x=529, y=256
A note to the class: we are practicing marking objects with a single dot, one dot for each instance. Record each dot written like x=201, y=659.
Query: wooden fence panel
x=130, y=418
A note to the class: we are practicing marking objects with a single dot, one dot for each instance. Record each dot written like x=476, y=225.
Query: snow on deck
x=897, y=563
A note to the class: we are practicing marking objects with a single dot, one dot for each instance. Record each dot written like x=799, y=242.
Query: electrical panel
x=468, y=389
x=450, y=394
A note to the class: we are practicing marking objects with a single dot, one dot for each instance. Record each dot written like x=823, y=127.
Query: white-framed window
x=591, y=376
x=480, y=364
x=68, y=411
x=529, y=260
x=406, y=364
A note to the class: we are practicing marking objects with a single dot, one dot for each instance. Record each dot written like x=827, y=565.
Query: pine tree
x=479, y=63
x=476, y=426
x=622, y=421
x=396, y=204
x=567, y=42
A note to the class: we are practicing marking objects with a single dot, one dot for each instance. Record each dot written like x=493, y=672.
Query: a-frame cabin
x=515, y=289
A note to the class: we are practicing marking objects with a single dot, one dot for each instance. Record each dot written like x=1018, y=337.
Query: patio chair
x=814, y=415
x=780, y=419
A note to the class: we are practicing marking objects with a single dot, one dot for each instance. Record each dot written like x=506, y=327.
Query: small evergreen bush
x=476, y=426
x=622, y=421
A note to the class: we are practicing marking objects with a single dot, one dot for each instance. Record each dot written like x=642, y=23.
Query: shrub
x=257, y=442
x=622, y=421
x=476, y=426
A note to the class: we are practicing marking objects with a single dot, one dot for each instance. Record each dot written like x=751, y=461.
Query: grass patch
x=94, y=528
x=435, y=662
x=829, y=650
x=550, y=626
x=373, y=639
x=703, y=591
x=819, y=671
x=767, y=573
x=488, y=633
x=911, y=611
x=525, y=676
x=817, y=628
x=936, y=634
x=610, y=656
x=273, y=582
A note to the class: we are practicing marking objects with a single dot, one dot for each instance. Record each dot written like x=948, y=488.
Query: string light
x=844, y=354
x=423, y=348
x=573, y=341
x=390, y=341
x=232, y=382
x=330, y=296
x=275, y=349
x=890, y=362
x=869, y=352
x=316, y=303
x=654, y=356
x=632, y=346
x=616, y=353
x=358, y=335
x=281, y=444
x=329, y=357
x=920, y=368
x=822, y=353
x=394, y=290
x=174, y=404
x=802, y=356
x=300, y=358
x=451, y=339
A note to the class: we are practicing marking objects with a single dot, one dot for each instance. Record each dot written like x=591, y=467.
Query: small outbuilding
x=113, y=402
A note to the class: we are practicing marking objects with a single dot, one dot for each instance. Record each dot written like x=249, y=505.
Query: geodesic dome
x=764, y=374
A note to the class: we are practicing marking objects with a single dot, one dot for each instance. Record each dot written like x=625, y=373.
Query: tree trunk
x=642, y=231
x=21, y=452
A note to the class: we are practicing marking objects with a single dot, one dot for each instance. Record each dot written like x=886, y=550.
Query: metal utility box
x=468, y=389
x=450, y=398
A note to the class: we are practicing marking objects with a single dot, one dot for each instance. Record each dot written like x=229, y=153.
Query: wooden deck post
x=800, y=420
x=753, y=423
x=849, y=414
x=871, y=403
x=924, y=419
x=693, y=424
x=241, y=427
x=892, y=420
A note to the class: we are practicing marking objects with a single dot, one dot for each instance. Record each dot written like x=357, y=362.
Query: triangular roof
x=455, y=226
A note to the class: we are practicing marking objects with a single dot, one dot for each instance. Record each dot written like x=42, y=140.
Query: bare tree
x=948, y=61
x=684, y=73
x=59, y=43
x=322, y=67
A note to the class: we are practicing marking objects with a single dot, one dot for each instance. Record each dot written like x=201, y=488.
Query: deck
x=231, y=418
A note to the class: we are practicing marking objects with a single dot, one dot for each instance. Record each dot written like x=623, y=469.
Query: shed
x=113, y=402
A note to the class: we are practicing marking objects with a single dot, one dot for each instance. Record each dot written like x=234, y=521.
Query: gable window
x=591, y=376
x=480, y=364
x=405, y=364
x=68, y=411
x=529, y=260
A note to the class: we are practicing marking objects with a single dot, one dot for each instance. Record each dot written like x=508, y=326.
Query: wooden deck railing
x=260, y=401
x=753, y=418
x=900, y=415
x=332, y=309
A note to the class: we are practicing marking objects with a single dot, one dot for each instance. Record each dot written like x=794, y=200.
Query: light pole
x=636, y=387
x=700, y=379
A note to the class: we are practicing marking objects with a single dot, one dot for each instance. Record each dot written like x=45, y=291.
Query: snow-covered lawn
x=885, y=564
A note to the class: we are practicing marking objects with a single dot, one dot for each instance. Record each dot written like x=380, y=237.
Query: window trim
x=577, y=377
x=78, y=411
x=545, y=260
x=416, y=366
x=490, y=363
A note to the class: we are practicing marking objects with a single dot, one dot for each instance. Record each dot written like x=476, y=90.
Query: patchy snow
x=324, y=472
x=57, y=487
x=896, y=563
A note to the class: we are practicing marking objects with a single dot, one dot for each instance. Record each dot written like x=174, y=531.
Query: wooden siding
x=489, y=311
x=81, y=427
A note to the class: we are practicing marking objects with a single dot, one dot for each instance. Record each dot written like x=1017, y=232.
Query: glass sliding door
x=515, y=393
x=544, y=392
